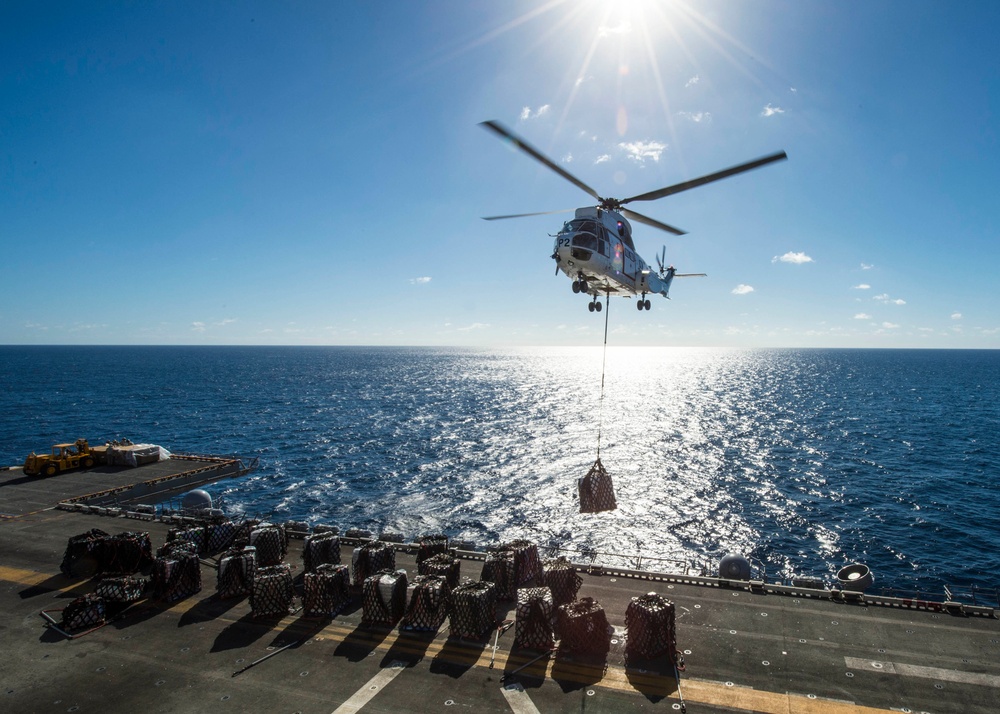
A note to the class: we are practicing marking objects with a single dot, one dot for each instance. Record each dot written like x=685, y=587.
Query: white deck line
x=915, y=670
x=372, y=687
x=518, y=700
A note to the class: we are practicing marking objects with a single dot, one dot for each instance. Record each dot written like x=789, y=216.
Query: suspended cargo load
x=597, y=491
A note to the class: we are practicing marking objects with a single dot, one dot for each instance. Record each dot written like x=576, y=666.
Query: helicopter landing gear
x=593, y=305
x=643, y=303
x=580, y=286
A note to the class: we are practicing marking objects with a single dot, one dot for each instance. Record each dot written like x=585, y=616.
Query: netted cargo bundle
x=192, y=534
x=272, y=591
x=176, y=548
x=527, y=565
x=125, y=589
x=237, y=569
x=560, y=576
x=597, y=491
x=175, y=577
x=126, y=553
x=583, y=628
x=270, y=544
x=444, y=564
x=220, y=536
x=650, y=627
x=84, y=612
x=427, y=600
x=326, y=591
x=431, y=545
x=533, y=628
x=473, y=609
x=243, y=531
x=83, y=554
x=383, y=597
x=320, y=549
x=372, y=558
x=499, y=569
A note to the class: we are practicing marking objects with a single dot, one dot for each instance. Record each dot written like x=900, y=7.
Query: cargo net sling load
x=596, y=489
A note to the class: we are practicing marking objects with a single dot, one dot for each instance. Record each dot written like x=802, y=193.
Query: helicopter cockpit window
x=585, y=240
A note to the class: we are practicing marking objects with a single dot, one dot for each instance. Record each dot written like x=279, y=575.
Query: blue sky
x=313, y=173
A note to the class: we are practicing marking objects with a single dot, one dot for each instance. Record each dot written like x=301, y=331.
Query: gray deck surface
x=745, y=651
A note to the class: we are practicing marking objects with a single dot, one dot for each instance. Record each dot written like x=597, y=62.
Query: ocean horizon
x=803, y=459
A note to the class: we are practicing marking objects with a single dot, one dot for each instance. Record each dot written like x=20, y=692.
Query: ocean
x=805, y=460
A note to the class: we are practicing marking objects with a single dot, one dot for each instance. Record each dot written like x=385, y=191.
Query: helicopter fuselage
x=595, y=250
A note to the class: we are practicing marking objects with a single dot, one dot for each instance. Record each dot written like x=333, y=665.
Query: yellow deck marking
x=617, y=678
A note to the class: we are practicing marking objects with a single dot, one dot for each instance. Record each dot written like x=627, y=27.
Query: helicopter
x=595, y=248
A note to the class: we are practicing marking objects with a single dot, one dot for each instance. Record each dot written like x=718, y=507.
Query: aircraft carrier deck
x=749, y=646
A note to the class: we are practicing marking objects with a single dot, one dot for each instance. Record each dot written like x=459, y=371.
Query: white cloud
x=420, y=281
x=527, y=114
x=742, y=289
x=795, y=258
x=642, y=150
x=886, y=300
x=696, y=117
x=889, y=325
x=568, y=158
x=602, y=158
x=867, y=266
x=862, y=286
x=956, y=316
x=474, y=326
x=862, y=316
x=770, y=111
x=793, y=90
x=198, y=326
x=693, y=81
x=622, y=28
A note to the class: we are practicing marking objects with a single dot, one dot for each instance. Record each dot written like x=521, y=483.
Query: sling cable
x=597, y=492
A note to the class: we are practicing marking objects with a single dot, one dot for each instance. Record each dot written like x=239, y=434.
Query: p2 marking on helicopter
x=595, y=248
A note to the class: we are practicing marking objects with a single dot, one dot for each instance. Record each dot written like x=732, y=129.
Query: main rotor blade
x=525, y=215
x=718, y=175
x=534, y=153
x=652, y=222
